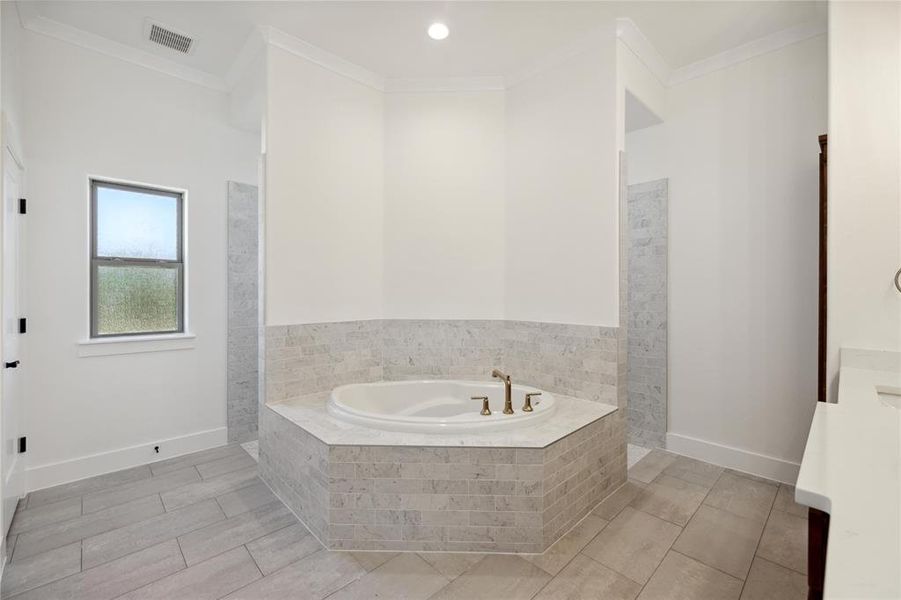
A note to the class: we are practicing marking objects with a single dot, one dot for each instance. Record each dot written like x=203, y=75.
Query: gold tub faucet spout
x=508, y=391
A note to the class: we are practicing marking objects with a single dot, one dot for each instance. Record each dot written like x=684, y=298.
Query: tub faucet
x=508, y=391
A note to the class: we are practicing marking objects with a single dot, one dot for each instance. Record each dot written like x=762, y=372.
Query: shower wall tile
x=243, y=312
x=441, y=349
x=647, y=325
x=622, y=334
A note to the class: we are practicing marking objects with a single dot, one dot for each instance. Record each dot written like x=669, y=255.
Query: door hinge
x=23, y=324
x=23, y=444
x=23, y=206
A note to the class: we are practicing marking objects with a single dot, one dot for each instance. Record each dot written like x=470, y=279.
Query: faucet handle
x=485, y=410
x=527, y=407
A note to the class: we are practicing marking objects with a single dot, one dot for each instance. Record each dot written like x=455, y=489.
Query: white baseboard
x=745, y=461
x=44, y=476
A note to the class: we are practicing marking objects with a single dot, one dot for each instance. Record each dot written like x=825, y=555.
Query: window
x=137, y=268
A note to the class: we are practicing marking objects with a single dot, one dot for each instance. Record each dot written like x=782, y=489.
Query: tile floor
x=204, y=526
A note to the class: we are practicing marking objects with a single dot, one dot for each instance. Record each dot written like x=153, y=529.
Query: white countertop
x=852, y=470
x=570, y=415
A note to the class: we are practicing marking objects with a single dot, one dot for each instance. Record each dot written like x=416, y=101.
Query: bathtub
x=441, y=406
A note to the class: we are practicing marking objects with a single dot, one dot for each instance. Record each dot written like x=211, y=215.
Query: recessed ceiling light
x=438, y=31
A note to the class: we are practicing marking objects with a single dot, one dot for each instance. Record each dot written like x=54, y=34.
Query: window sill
x=136, y=344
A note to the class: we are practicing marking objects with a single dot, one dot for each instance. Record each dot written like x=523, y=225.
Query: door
x=11, y=462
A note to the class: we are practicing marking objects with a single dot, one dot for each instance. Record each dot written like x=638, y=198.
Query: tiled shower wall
x=243, y=312
x=647, y=324
x=576, y=360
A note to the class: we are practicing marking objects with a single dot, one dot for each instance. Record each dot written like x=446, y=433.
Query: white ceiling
x=487, y=38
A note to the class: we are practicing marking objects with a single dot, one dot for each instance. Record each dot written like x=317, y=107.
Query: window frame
x=96, y=261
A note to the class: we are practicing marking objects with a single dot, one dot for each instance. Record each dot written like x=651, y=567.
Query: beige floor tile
x=670, y=498
x=694, y=471
x=769, y=581
x=404, y=577
x=784, y=541
x=563, y=551
x=651, y=466
x=683, y=578
x=495, y=577
x=785, y=501
x=721, y=540
x=283, y=547
x=585, y=578
x=372, y=560
x=618, y=500
x=315, y=577
x=742, y=496
x=633, y=544
x=451, y=564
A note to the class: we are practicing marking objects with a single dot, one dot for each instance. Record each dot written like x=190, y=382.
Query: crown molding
x=397, y=85
x=78, y=37
x=629, y=34
x=745, y=52
x=323, y=58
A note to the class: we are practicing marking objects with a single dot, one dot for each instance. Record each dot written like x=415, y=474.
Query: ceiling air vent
x=164, y=36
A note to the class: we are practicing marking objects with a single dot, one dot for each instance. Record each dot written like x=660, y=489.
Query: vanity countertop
x=852, y=470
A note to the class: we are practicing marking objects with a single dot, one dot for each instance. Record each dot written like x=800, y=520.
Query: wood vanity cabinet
x=818, y=521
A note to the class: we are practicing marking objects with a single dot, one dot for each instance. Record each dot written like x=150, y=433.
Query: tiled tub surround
x=574, y=360
x=647, y=321
x=410, y=492
x=512, y=491
x=243, y=313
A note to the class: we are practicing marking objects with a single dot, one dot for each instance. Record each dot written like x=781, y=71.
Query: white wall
x=742, y=159
x=444, y=205
x=11, y=99
x=562, y=202
x=647, y=154
x=89, y=113
x=324, y=194
x=864, y=308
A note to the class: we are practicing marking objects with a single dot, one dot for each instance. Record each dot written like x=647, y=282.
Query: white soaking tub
x=440, y=406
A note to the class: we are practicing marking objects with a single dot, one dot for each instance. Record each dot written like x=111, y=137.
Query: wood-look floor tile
x=633, y=544
x=114, y=578
x=649, y=467
x=670, y=498
x=682, y=578
x=209, y=488
x=784, y=541
x=124, y=493
x=87, y=486
x=557, y=556
x=209, y=580
x=618, y=500
x=372, y=560
x=244, y=499
x=585, y=578
x=721, y=540
x=785, y=501
x=451, y=564
x=311, y=578
x=195, y=458
x=85, y=526
x=496, y=576
x=108, y=546
x=404, y=577
x=206, y=542
x=769, y=581
x=742, y=496
x=694, y=471
x=47, y=514
x=41, y=568
x=283, y=547
x=226, y=465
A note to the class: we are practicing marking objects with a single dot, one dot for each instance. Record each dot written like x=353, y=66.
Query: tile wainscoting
x=576, y=360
